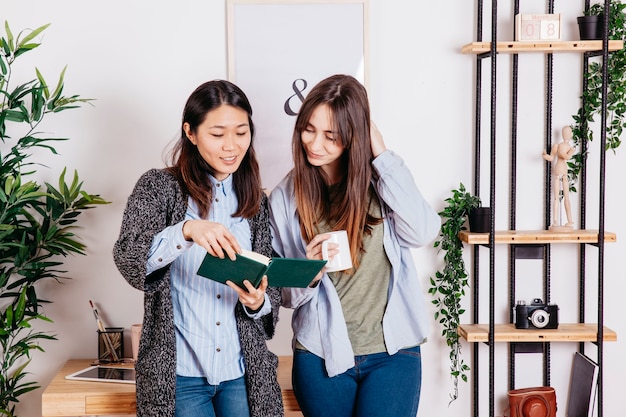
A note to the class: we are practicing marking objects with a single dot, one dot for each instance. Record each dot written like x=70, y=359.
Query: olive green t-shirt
x=363, y=293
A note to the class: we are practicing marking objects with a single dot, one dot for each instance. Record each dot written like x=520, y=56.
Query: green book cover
x=281, y=272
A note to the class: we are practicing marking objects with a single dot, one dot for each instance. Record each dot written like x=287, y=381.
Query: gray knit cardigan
x=156, y=202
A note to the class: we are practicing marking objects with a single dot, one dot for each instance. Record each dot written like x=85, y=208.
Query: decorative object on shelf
x=532, y=402
x=38, y=223
x=448, y=286
x=592, y=95
x=590, y=27
x=537, y=27
x=480, y=220
x=537, y=315
x=560, y=154
x=582, y=396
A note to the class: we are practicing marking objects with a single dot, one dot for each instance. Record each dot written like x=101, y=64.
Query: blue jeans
x=197, y=398
x=378, y=385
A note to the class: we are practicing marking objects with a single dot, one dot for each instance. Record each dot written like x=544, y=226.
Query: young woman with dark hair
x=203, y=346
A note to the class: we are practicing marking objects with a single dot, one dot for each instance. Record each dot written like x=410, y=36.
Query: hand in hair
x=376, y=138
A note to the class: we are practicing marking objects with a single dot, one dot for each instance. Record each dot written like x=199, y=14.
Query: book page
x=256, y=256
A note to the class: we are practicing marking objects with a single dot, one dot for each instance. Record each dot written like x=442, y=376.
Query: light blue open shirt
x=409, y=222
x=207, y=342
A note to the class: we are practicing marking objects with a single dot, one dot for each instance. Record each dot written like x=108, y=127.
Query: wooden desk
x=64, y=398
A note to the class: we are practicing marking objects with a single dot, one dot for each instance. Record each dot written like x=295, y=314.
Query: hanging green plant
x=448, y=286
x=592, y=95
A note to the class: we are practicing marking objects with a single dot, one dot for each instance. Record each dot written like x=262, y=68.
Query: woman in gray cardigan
x=199, y=335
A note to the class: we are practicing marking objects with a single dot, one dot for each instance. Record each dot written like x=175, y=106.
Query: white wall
x=140, y=61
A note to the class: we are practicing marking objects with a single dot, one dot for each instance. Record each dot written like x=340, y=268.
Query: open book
x=281, y=272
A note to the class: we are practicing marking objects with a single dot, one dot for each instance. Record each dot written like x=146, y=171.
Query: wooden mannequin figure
x=561, y=153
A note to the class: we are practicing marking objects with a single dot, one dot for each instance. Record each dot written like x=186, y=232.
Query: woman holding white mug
x=357, y=332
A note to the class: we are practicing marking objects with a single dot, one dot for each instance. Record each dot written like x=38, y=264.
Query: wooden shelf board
x=567, y=332
x=513, y=47
x=522, y=237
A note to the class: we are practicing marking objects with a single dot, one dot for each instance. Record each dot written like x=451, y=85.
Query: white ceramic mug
x=342, y=260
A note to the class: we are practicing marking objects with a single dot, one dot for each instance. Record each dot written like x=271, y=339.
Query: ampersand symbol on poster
x=298, y=91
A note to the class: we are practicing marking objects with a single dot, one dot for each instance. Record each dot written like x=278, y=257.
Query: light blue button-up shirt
x=409, y=222
x=207, y=342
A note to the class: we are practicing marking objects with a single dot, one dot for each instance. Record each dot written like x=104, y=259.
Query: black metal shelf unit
x=525, y=250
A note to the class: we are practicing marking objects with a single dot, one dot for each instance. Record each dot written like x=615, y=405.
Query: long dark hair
x=191, y=169
x=350, y=112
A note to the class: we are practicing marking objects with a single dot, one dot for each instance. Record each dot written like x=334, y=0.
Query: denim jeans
x=379, y=385
x=196, y=398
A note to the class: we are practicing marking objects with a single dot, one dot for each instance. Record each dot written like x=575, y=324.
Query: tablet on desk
x=104, y=374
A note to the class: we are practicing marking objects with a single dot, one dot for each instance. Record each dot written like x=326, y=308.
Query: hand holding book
x=250, y=297
x=281, y=272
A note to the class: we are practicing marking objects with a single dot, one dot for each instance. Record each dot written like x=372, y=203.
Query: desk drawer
x=119, y=403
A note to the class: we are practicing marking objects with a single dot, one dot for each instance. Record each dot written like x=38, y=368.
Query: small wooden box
x=537, y=27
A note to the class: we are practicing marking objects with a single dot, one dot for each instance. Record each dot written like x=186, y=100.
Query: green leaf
x=32, y=35
x=21, y=306
x=44, y=85
x=10, y=38
x=59, y=88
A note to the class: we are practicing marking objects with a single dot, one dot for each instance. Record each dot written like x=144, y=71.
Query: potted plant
x=591, y=98
x=448, y=286
x=479, y=219
x=37, y=221
x=591, y=24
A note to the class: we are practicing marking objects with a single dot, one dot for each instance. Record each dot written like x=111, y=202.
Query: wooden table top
x=64, y=397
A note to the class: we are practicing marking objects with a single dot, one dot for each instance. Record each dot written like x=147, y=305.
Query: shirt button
x=219, y=184
x=219, y=296
x=178, y=247
x=218, y=349
x=218, y=323
x=160, y=259
x=217, y=200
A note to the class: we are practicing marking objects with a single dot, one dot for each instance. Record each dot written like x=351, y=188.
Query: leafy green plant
x=448, y=286
x=591, y=98
x=37, y=222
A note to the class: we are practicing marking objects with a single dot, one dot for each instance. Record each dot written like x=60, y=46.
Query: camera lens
x=540, y=318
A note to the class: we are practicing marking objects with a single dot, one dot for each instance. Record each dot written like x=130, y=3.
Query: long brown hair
x=347, y=101
x=191, y=169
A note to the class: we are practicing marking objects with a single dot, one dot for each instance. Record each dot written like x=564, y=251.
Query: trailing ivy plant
x=37, y=222
x=448, y=286
x=592, y=95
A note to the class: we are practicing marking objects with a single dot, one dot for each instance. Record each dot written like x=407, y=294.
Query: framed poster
x=278, y=50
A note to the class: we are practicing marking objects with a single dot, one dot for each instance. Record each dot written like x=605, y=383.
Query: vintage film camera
x=537, y=315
